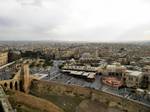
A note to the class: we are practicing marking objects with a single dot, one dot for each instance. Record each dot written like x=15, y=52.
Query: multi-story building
x=133, y=78
x=3, y=58
x=146, y=77
x=116, y=69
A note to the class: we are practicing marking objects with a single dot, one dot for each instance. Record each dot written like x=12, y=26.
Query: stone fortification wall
x=43, y=88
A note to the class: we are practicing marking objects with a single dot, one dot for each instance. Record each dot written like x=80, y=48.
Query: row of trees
x=15, y=55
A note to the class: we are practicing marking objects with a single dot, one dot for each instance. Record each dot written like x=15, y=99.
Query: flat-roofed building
x=80, y=68
x=77, y=73
x=3, y=58
x=146, y=77
x=116, y=69
x=133, y=78
x=91, y=75
x=85, y=74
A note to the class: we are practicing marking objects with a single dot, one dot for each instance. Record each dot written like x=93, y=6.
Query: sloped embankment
x=28, y=103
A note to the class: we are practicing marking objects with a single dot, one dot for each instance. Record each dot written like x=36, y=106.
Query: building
x=116, y=69
x=146, y=77
x=87, y=58
x=133, y=78
x=89, y=76
x=81, y=68
x=3, y=58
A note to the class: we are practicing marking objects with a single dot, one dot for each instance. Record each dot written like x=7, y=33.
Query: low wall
x=43, y=88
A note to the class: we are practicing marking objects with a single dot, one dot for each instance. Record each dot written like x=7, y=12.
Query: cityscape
x=114, y=69
x=74, y=56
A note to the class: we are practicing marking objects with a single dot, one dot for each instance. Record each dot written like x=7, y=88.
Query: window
x=130, y=78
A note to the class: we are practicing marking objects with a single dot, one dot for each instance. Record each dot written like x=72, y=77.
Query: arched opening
x=16, y=86
x=11, y=85
x=21, y=86
x=5, y=85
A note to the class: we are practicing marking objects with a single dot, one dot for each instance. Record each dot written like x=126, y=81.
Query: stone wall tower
x=26, y=78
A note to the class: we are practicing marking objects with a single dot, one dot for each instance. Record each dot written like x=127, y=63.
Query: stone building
x=133, y=78
x=146, y=77
x=3, y=58
x=116, y=69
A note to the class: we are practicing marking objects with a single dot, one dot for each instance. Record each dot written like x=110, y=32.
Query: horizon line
x=126, y=41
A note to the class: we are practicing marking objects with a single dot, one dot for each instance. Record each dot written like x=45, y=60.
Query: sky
x=75, y=20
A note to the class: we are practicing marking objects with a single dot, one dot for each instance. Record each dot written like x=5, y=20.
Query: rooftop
x=134, y=73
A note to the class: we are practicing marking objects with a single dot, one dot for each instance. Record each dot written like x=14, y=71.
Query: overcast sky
x=75, y=20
